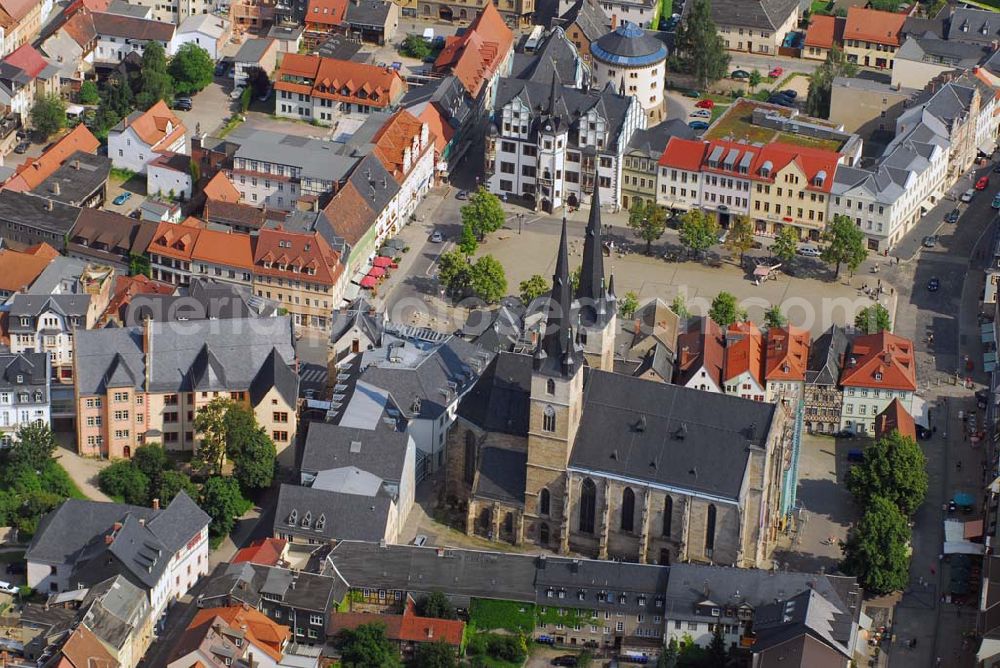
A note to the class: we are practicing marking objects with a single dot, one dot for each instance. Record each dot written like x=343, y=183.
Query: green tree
x=210, y=423
x=194, y=169
x=895, y=469
x=628, y=305
x=258, y=81
x=669, y=656
x=483, y=213
x=245, y=97
x=173, y=483
x=152, y=460
x=367, y=647
x=699, y=230
x=33, y=448
x=48, y=115
x=755, y=79
x=786, y=244
x=533, y=288
x=700, y=48
x=123, y=480
x=487, y=279
x=437, y=605
x=574, y=279
x=155, y=83
x=468, y=243
x=254, y=459
x=438, y=654
x=222, y=500
x=873, y=319
x=679, y=306
x=454, y=273
x=821, y=82
x=117, y=96
x=773, y=317
x=89, y=93
x=885, y=5
x=725, y=311
x=876, y=551
x=415, y=46
x=740, y=237
x=845, y=244
x=648, y=221
x=717, y=654
x=191, y=68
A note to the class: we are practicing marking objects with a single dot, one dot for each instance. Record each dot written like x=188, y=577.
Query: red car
x=775, y=72
x=983, y=183
x=705, y=104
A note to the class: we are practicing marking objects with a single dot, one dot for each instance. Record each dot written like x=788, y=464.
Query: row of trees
x=228, y=432
x=889, y=485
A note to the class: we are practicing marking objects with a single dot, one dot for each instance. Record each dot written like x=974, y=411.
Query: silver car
x=968, y=195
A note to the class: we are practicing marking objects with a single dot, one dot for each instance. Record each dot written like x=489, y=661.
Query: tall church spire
x=557, y=353
x=592, y=291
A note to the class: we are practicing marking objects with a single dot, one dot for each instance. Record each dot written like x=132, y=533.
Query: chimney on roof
x=142, y=521
x=48, y=205
x=156, y=504
x=109, y=539
x=55, y=189
x=117, y=526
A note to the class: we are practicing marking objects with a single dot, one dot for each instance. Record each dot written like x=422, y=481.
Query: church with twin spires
x=553, y=449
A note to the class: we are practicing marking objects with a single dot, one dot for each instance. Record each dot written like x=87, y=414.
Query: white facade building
x=633, y=63
x=24, y=392
x=679, y=182
x=143, y=136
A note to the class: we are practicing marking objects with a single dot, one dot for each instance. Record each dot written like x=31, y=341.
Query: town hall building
x=554, y=449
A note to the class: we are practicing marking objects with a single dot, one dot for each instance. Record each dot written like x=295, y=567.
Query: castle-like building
x=555, y=449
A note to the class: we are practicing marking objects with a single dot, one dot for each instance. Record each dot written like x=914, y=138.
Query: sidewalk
x=83, y=471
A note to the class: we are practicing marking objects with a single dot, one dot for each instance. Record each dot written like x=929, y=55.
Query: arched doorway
x=508, y=525
x=543, y=533
x=127, y=452
x=572, y=200
x=485, y=521
x=546, y=205
x=462, y=15
x=445, y=13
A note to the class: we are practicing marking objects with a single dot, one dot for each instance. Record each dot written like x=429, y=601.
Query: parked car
x=462, y=194
x=698, y=125
x=789, y=93
x=183, y=104
x=983, y=183
x=221, y=70
x=996, y=170
x=8, y=588
x=810, y=251
x=929, y=241
x=701, y=113
x=996, y=201
x=740, y=75
x=844, y=433
x=775, y=72
x=705, y=104
x=781, y=100
x=22, y=147
x=437, y=237
x=122, y=198
x=952, y=216
x=933, y=285
x=564, y=660
x=968, y=195
x=691, y=92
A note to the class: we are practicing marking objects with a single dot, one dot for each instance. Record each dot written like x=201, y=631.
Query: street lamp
x=520, y=220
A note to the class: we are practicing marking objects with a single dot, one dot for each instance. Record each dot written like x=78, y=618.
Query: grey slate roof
x=371, y=13
x=33, y=369
x=244, y=582
x=114, y=608
x=31, y=211
x=589, y=17
x=500, y=399
x=326, y=515
x=759, y=14
x=253, y=50
x=65, y=531
x=502, y=475
x=960, y=55
x=32, y=306
x=361, y=314
x=806, y=613
x=977, y=26
x=205, y=298
x=651, y=142
x=555, y=55
x=79, y=177
x=315, y=158
x=186, y=355
x=178, y=522
x=668, y=435
x=380, y=451
x=826, y=357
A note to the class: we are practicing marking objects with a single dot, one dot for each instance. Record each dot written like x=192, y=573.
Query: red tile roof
x=686, y=154
x=871, y=25
x=787, y=354
x=176, y=241
x=895, y=418
x=158, y=126
x=340, y=80
x=230, y=249
x=326, y=12
x=80, y=28
x=263, y=552
x=296, y=256
x=265, y=634
x=31, y=173
x=18, y=9
x=83, y=649
x=812, y=162
x=475, y=55
x=825, y=31
x=405, y=627
x=394, y=139
x=744, y=352
x=349, y=214
x=221, y=189
x=127, y=287
x=883, y=361
x=21, y=269
x=697, y=349
x=438, y=124
x=27, y=58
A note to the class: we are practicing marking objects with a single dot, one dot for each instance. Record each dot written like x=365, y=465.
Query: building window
x=628, y=509
x=470, y=457
x=549, y=419
x=543, y=502
x=550, y=386
x=668, y=515
x=588, y=505
x=710, y=531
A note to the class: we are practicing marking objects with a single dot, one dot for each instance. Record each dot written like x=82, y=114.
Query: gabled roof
x=761, y=14
x=969, y=24
x=825, y=31
x=264, y=552
x=131, y=27
x=341, y=80
x=475, y=55
x=28, y=60
x=873, y=25
x=81, y=29
x=787, y=354
x=326, y=12
x=686, y=154
x=83, y=649
x=394, y=140
x=244, y=622
x=818, y=165
x=589, y=17
x=407, y=627
x=21, y=269
x=221, y=189
x=744, y=352
x=155, y=126
x=895, y=418
x=702, y=346
x=882, y=360
x=310, y=255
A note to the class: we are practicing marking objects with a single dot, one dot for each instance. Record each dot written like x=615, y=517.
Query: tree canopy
x=415, y=46
x=845, y=244
x=773, y=317
x=210, y=423
x=786, y=244
x=125, y=482
x=487, y=279
x=873, y=319
x=700, y=48
x=191, y=69
x=628, y=304
x=740, y=237
x=699, y=231
x=679, y=306
x=725, y=310
x=483, y=213
x=894, y=468
x=155, y=83
x=453, y=273
x=222, y=500
x=48, y=115
x=876, y=551
x=438, y=654
x=89, y=93
x=648, y=221
x=367, y=647
x=533, y=288
x=821, y=82
x=33, y=448
x=437, y=605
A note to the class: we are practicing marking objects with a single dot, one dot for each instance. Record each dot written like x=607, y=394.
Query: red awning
x=382, y=261
x=376, y=272
x=369, y=282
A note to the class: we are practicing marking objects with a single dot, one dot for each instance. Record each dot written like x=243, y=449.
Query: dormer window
x=321, y=523
x=25, y=321
x=293, y=517
x=820, y=179
x=307, y=520
x=878, y=376
x=765, y=169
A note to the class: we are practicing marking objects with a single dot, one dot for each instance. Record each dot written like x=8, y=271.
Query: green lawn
x=821, y=7
x=74, y=491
